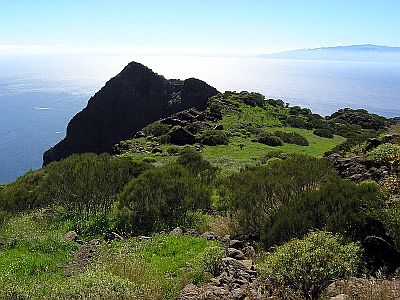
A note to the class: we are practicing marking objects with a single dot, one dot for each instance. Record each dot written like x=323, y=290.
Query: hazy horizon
x=199, y=28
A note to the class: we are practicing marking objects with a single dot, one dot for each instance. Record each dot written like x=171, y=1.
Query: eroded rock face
x=134, y=98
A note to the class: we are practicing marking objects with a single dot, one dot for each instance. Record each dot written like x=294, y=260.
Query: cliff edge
x=134, y=98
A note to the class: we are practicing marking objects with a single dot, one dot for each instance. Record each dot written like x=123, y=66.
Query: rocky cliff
x=134, y=98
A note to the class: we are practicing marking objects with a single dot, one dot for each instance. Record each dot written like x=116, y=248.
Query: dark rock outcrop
x=134, y=98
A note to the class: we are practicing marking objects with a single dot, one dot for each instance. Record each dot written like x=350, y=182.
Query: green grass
x=35, y=253
x=171, y=261
x=231, y=158
x=31, y=264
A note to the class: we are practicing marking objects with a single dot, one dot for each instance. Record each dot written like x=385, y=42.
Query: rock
x=176, y=232
x=209, y=236
x=181, y=136
x=237, y=244
x=192, y=232
x=249, y=251
x=128, y=102
x=235, y=253
x=189, y=292
x=71, y=236
x=340, y=297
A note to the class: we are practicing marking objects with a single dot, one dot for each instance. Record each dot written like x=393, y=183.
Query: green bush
x=22, y=194
x=199, y=168
x=361, y=118
x=214, y=137
x=162, y=198
x=383, y=153
x=87, y=185
x=392, y=224
x=312, y=263
x=292, y=138
x=326, y=133
x=269, y=139
x=298, y=121
x=340, y=206
x=253, y=194
x=156, y=129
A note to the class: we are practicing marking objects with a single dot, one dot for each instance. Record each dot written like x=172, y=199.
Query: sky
x=193, y=27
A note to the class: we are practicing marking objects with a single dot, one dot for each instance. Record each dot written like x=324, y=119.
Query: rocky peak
x=131, y=100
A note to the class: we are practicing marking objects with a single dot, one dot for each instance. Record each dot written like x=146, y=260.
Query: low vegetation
x=255, y=169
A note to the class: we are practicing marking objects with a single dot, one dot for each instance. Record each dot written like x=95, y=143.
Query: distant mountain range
x=366, y=52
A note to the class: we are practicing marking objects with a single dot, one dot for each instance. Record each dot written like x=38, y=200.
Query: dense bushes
x=162, y=198
x=168, y=196
x=23, y=193
x=326, y=133
x=87, y=184
x=310, y=264
x=268, y=139
x=383, y=154
x=340, y=206
x=292, y=138
x=361, y=118
x=255, y=193
x=214, y=137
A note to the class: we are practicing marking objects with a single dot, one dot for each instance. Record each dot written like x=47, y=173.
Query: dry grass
x=222, y=225
x=366, y=289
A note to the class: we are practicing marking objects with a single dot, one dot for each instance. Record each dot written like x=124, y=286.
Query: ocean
x=39, y=95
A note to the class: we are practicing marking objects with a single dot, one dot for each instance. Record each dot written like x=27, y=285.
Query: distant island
x=365, y=52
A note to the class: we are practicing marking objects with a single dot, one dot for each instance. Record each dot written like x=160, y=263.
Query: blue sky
x=223, y=27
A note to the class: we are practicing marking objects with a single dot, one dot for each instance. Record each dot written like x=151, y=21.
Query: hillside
x=129, y=101
x=242, y=197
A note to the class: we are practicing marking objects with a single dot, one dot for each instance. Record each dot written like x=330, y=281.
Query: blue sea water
x=39, y=95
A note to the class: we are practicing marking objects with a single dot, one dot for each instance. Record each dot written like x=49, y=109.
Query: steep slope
x=134, y=98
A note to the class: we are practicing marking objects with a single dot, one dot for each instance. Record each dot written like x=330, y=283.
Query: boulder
x=71, y=236
x=176, y=232
x=181, y=136
x=235, y=253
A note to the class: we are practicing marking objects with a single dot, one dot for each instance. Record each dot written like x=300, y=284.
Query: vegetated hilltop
x=129, y=101
x=242, y=197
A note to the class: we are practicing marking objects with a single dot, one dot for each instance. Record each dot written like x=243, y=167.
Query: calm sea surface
x=39, y=95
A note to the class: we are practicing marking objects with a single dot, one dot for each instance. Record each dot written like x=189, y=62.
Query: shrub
x=23, y=194
x=214, y=137
x=353, y=140
x=156, y=129
x=199, y=168
x=392, y=223
x=383, y=153
x=326, y=133
x=292, y=138
x=253, y=194
x=274, y=154
x=87, y=184
x=361, y=118
x=310, y=264
x=269, y=139
x=161, y=198
x=298, y=121
x=340, y=206
x=253, y=99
